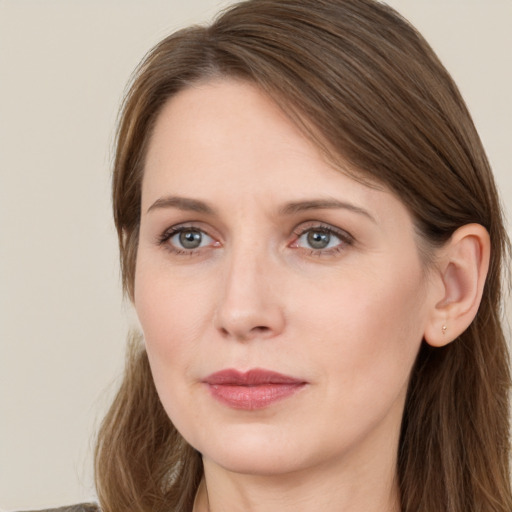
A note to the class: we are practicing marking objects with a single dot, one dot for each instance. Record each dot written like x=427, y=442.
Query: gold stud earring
x=443, y=328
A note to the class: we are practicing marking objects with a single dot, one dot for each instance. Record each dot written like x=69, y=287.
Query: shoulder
x=82, y=507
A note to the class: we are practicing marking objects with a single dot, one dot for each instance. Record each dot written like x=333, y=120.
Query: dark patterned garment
x=82, y=507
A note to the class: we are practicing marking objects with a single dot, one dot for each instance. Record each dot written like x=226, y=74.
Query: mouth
x=254, y=389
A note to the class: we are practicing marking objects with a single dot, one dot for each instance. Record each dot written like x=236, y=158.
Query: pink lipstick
x=251, y=390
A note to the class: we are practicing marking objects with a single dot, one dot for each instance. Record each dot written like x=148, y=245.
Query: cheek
x=167, y=318
x=368, y=352
x=173, y=313
x=368, y=329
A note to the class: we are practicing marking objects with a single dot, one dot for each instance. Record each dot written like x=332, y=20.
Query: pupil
x=190, y=239
x=318, y=239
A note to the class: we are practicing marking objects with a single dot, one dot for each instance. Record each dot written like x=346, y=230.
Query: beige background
x=63, y=67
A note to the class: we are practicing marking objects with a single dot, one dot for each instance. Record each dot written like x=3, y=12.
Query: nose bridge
x=248, y=306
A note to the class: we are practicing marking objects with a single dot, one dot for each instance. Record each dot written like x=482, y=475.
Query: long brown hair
x=365, y=87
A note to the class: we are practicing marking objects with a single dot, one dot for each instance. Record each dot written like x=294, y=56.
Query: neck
x=327, y=489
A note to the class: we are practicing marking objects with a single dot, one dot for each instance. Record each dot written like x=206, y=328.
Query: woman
x=312, y=239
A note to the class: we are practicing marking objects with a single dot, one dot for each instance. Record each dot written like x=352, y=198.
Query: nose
x=250, y=305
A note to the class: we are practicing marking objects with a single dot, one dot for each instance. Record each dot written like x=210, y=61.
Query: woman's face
x=282, y=302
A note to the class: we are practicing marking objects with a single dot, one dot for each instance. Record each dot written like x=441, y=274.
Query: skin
x=347, y=319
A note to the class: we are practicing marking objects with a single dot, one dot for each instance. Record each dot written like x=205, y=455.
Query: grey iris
x=190, y=239
x=318, y=239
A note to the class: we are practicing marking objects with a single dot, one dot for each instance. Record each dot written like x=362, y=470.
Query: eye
x=322, y=239
x=186, y=239
x=318, y=239
x=190, y=239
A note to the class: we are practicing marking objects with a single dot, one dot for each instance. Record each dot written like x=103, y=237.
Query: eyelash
x=163, y=240
x=346, y=239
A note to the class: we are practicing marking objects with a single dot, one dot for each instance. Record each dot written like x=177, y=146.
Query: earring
x=443, y=328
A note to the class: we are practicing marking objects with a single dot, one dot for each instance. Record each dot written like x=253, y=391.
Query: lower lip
x=250, y=398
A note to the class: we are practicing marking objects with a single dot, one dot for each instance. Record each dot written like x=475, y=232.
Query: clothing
x=82, y=507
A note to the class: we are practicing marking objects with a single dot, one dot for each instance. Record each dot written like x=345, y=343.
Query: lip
x=254, y=389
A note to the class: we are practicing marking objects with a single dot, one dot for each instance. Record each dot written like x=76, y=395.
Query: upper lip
x=254, y=377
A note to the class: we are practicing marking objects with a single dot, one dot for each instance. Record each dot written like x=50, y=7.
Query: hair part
x=368, y=90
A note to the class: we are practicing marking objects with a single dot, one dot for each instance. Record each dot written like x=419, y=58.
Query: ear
x=461, y=271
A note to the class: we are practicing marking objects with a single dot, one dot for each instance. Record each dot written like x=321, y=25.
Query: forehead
x=223, y=114
x=225, y=140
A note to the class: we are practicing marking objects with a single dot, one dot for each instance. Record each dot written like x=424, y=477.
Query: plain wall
x=63, y=69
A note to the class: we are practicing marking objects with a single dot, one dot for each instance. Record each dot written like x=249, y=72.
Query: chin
x=252, y=451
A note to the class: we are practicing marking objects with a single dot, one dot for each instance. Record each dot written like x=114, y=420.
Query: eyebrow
x=195, y=205
x=182, y=203
x=323, y=204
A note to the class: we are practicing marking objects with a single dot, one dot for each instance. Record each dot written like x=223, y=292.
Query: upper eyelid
x=184, y=226
x=311, y=225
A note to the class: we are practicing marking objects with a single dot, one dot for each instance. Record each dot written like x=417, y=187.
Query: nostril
x=261, y=328
x=246, y=334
